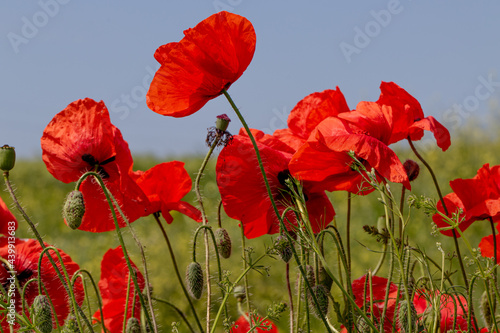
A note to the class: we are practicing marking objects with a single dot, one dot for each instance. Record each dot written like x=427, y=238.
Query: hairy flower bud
x=403, y=324
x=488, y=315
x=311, y=279
x=194, y=280
x=42, y=314
x=70, y=325
x=222, y=122
x=7, y=157
x=133, y=326
x=223, y=242
x=283, y=248
x=321, y=294
x=239, y=293
x=73, y=209
x=412, y=169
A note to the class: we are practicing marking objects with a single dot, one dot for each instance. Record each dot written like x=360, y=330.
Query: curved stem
x=455, y=238
x=290, y=297
x=177, y=273
x=176, y=309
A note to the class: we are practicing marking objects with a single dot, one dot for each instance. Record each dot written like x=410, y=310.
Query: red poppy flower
x=81, y=138
x=487, y=245
x=8, y=222
x=478, y=197
x=210, y=57
x=25, y=265
x=113, y=286
x=165, y=185
x=366, y=131
x=408, y=117
x=243, y=326
x=308, y=113
x=244, y=194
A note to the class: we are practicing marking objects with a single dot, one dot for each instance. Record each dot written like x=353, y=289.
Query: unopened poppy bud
x=7, y=157
x=194, y=280
x=42, y=313
x=70, y=325
x=311, y=280
x=133, y=325
x=321, y=294
x=239, y=293
x=362, y=326
x=412, y=169
x=222, y=122
x=223, y=242
x=73, y=209
x=324, y=278
x=403, y=324
x=488, y=315
x=283, y=248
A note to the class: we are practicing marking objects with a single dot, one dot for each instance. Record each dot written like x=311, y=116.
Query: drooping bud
x=403, y=324
x=412, y=169
x=73, y=209
x=321, y=294
x=223, y=242
x=133, y=325
x=239, y=293
x=194, y=280
x=222, y=122
x=42, y=314
x=70, y=325
x=7, y=157
x=283, y=247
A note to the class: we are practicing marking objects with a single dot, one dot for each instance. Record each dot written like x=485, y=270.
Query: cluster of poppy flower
x=314, y=149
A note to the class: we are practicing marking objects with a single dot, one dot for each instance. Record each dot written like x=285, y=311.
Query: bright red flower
x=308, y=113
x=243, y=326
x=408, y=117
x=210, y=57
x=487, y=245
x=165, y=185
x=478, y=197
x=113, y=287
x=81, y=138
x=244, y=194
x=25, y=266
x=366, y=131
x=8, y=222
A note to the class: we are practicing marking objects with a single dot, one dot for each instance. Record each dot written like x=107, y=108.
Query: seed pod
x=73, y=209
x=42, y=313
x=403, y=310
x=133, y=325
x=194, y=280
x=70, y=325
x=7, y=158
x=321, y=294
x=283, y=248
x=222, y=122
x=223, y=242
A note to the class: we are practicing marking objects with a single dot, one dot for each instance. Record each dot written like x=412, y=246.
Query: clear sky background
x=52, y=52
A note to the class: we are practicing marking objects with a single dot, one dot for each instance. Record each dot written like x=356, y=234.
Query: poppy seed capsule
x=133, y=325
x=42, y=313
x=222, y=122
x=7, y=157
x=73, y=209
x=223, y=242
x=412, y=169
x=283, y=247
x=194, y=280
x=70, y=325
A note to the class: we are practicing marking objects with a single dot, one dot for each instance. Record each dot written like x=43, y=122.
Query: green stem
x=176, y=309
x=177, y=273
x=245, y=265
x=290, y=296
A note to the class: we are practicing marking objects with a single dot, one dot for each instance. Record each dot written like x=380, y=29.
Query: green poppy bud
x=403, y=324
x=194, y=280
x=488, y=315
x=321, y=294
x=7, y=158
x=239, y=293
x=133, y=326
x=42, y=314
x=283, y=248
x=223, y=242
x=73, y=209
x=70, y=325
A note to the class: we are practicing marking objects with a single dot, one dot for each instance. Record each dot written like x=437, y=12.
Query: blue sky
x=52, y=52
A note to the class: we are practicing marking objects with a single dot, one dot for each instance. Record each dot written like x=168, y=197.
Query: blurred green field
x=43, y=196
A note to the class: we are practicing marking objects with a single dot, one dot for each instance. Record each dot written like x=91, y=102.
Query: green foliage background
x=43, y=196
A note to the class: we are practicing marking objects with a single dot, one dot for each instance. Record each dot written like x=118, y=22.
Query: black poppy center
x=22, y=277
x=283, y=176
x=93, y=162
